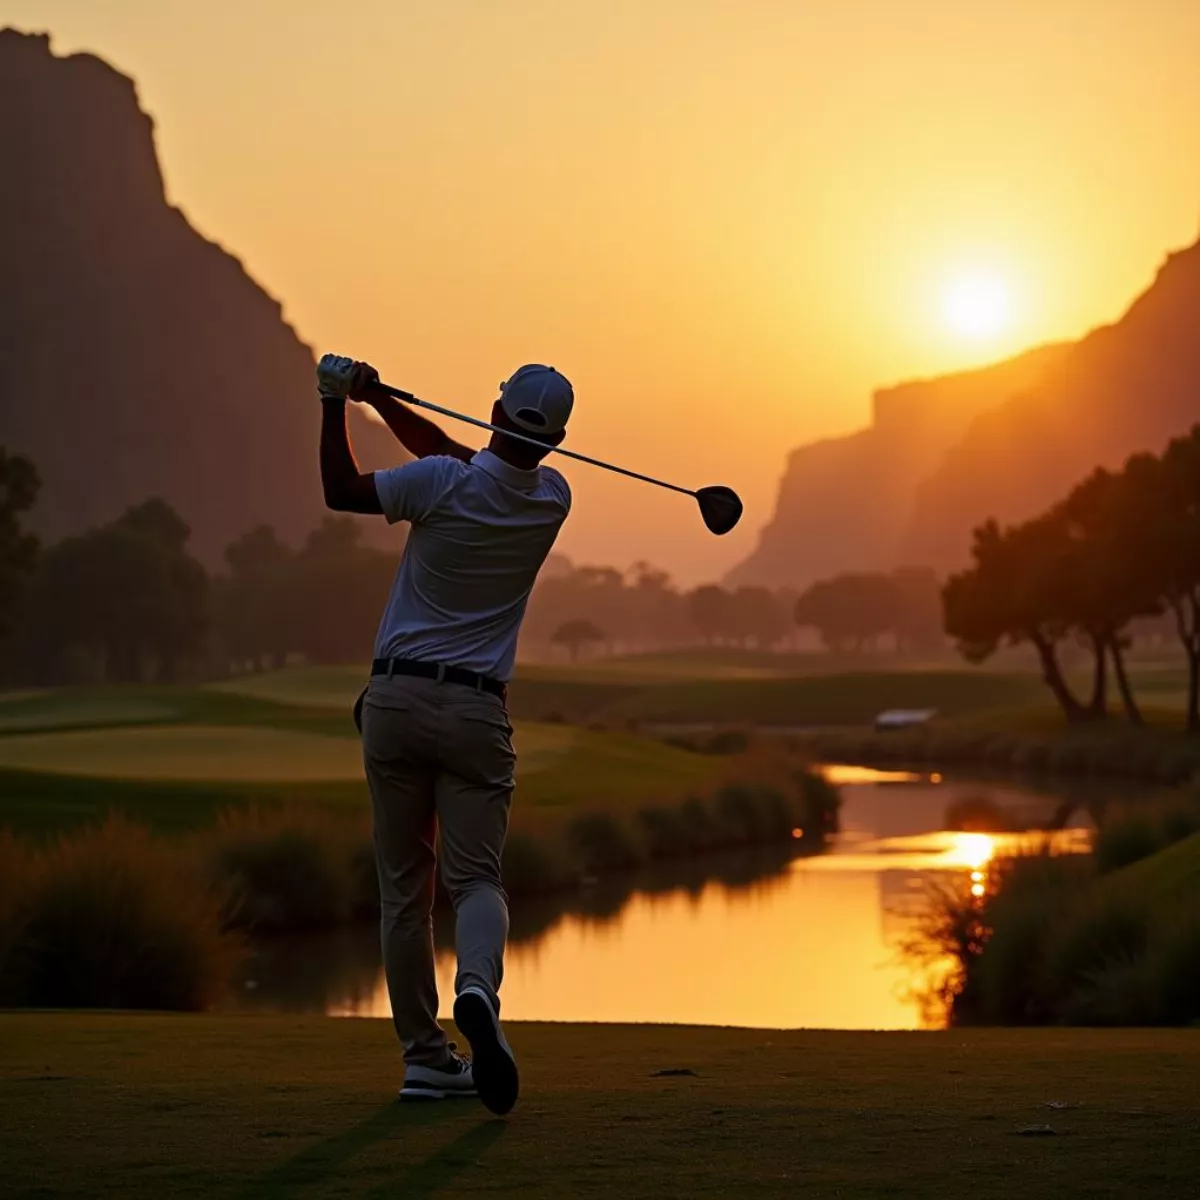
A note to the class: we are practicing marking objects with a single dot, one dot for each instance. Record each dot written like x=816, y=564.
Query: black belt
x=439, y=671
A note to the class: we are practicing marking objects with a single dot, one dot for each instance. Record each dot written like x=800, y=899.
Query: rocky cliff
x=137, y=358
x=1125, y=387
x=943, y=455
x=847, y=503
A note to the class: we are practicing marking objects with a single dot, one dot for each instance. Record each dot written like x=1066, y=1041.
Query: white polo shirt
x=480, y=533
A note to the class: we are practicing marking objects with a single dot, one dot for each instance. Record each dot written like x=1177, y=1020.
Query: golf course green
x=129, y=1106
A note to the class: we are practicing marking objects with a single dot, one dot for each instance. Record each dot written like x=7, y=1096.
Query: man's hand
x=364, y=383
x=335, y=376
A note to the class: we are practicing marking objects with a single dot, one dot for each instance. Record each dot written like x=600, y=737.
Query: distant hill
x=137, y=357
x=945, y=454
x=1125, y=387
x=846, y=503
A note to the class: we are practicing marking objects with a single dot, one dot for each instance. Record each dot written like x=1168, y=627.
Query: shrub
x=601, y=842
x=750, y=813
x=1172, y=968
x=531, y=864
x=113, y=918
x=1092, y=952
x=364, y=878
x=1133, y=831
x=697, y=827
x=819, y=807
x=1004, y=978
x=285, y=868
x=664, y=832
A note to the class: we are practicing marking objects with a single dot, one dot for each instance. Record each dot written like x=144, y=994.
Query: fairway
x=260, y=1107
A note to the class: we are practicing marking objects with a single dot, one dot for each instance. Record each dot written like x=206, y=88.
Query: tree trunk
x=1186, y=619
x=1052, y=674
x=1123, y=685
x=1098, y=707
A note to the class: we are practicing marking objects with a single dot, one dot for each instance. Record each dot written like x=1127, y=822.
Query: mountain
x=846, y=504
x=1125, y=387
x=137, y=358
x=1005, y=441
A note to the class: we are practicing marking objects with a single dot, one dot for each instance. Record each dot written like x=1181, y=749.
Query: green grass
x=177, y=775
x=148, y=1106
x=1164, y=877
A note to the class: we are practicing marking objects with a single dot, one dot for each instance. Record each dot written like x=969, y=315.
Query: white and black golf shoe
x=448, y=1082
x=493, y=1064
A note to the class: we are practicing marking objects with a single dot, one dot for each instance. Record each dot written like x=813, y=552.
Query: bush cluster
x=1085, y=940
x=110, y=917
x=114, y=917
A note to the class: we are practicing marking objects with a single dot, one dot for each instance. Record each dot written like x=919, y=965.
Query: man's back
x=480, y=533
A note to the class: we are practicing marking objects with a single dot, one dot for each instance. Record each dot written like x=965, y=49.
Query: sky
x=726, y=221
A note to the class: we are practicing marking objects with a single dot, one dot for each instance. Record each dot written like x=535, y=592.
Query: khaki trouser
x=437, y=754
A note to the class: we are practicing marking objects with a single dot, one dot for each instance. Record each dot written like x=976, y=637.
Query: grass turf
x=136, y=1105
x=177, y=776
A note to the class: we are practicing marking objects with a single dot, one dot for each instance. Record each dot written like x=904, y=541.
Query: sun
x=977, y=304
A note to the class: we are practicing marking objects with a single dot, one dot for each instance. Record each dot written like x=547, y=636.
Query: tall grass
x=1132, y=831
x=110, y=918
x=288, y=868
x=114, y=917
x=1055, y=941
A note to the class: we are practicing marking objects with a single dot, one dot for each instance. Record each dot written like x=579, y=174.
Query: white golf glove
x=335, y=376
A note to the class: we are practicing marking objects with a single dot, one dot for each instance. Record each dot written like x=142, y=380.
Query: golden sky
x=725, y=220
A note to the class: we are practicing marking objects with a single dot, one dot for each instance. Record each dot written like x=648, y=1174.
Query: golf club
x=720, y=506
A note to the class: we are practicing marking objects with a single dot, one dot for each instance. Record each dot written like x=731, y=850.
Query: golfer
x=437, y=742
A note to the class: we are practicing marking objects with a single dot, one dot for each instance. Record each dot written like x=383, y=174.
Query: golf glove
x=335, y=376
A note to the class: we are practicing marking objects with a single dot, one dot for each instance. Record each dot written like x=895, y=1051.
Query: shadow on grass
x=415, y=1179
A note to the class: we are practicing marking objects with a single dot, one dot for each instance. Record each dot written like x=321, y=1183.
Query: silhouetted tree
x=850, y=611
x=255, y=602
x=19, y=485
x=1165, y=511
x=710, y=609
x=129, y=591
x=758, y=616
x=576, y=634
x=338, y=589
x=1013, y=593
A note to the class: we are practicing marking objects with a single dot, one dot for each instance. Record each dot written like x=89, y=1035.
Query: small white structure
x=904, y=718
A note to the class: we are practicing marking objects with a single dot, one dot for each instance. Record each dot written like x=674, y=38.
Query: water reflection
x=812, y=942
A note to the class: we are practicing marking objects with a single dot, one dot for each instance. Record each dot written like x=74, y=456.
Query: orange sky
x=726, y=222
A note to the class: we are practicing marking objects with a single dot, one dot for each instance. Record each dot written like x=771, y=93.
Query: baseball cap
x=537, y=399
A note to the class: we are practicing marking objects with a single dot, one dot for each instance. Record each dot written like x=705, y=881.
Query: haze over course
x=726, y=223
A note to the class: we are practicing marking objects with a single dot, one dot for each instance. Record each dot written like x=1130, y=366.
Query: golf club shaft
x=409, y=398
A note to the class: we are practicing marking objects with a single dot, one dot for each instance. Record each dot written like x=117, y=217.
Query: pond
x=812, y=942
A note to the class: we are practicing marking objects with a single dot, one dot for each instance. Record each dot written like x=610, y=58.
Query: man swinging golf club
x=436, y=737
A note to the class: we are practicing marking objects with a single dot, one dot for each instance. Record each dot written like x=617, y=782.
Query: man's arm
x=419, y=436
x=346, y=488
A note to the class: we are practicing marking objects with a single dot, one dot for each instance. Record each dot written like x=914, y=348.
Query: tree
x=254, y=602
x=1013, y=593
x=146, y=598
x=1165, y=511
x=758, y=616
x=576, y=634
x=850, y=611
x=1109, y=583
x=710, y=610
x=337, y=588
x=19, y=486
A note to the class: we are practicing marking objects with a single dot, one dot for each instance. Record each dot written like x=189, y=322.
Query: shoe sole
x=421, y=1095
x=492, y=1063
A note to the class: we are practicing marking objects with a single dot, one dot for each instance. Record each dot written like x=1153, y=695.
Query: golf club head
x=720, y=507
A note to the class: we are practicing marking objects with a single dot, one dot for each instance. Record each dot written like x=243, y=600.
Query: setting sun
x=976, y=304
